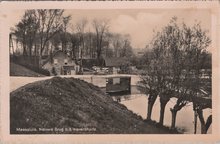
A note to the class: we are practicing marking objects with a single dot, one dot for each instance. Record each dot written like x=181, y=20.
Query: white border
x=4, y=71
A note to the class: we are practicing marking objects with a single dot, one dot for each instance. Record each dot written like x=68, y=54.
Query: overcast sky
x=138, y=23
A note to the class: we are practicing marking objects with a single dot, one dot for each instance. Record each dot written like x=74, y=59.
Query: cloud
x=138, y=23
x=140, y=27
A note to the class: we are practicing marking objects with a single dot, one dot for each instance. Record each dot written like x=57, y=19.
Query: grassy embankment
x=18, y=70
x=73, y=103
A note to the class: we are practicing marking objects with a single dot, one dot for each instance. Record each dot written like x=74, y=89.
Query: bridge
x=98, y=80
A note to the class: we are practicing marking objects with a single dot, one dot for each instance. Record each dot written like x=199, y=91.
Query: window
x=65, y=61
x=116, y=81
x=55, y=61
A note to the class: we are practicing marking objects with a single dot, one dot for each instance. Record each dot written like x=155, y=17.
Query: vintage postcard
x=109, y=72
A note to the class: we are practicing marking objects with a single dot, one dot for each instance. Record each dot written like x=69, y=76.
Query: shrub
x=54, y=71
x=29, y=63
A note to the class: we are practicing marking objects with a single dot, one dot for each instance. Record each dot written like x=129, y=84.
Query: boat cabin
x=118, y=85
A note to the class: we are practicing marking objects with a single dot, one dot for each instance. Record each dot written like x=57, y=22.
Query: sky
x=140, y=24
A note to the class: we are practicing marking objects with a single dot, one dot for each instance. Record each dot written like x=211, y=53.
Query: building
x=60, y=64
x=117, y=65
x=118, y=85
x=139, y=52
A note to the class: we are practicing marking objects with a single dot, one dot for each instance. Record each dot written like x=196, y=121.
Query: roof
x=89, y=63
x=116, y=62
x=60, y=55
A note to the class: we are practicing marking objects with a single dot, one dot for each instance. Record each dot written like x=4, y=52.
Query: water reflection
x=137, y=102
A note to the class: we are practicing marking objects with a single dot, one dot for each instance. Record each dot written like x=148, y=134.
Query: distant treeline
x=41, y=32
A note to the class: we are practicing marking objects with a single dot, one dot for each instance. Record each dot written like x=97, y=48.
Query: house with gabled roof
x=60, y=63
x=116, y=64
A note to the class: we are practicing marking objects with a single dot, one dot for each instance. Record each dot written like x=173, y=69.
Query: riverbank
x=69, y=106
x=185, y=118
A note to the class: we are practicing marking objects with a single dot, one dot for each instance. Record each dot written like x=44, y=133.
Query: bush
x=29, y=64
x=43, y=71
x=38, y=70
x=54, y=71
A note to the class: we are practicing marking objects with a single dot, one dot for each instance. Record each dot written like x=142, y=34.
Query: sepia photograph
x=110, y=71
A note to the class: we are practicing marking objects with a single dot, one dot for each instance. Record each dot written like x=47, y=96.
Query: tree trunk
x=151, y=100
x=173, y=123
x=99, y=57
x=62, y=45
x=30, y=49
x=97, y=46
x=202, y=121
x=24, y=49
x=203, y=129
x=41, y=46
x=208, y=122
x=17, y=42
x=163, y=103
x=149, y=110
x=177, y=107
x=90, y=46
x=35, y=55
x=24, y=45
x=195, y=122
x=81, y=70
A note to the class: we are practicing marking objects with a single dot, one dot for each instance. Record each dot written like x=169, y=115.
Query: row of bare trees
x=42, y=31
x=174, y=68
x=36, y=28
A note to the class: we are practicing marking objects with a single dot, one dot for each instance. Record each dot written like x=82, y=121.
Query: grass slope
x=18, y=70
x=72, y=103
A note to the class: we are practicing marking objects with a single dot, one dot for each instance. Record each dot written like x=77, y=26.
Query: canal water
x=138, y=102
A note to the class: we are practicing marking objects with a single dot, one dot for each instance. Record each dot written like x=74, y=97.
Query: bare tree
x=20, y=32
x=153, y=76
x=170, y=39
x=32, y=28
x=121, y=45
x=117, y=43
x=26, y=31
x=101, y=27
x=191, y=42
x=197, y=42
x=63, y=34
x=50, y=22
x=90, y=44
x=75, y=46
x=80, y=27
x=126, y=49
x=173, y=68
